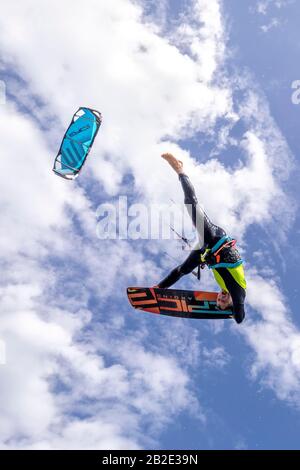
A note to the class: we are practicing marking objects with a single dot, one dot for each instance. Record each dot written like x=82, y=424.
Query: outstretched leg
x=177, y=165
x=208, y=233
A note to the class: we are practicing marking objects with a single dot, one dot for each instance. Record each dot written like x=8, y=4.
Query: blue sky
x=210, y=81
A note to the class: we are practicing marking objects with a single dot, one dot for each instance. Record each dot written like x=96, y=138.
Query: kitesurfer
x=214, y=248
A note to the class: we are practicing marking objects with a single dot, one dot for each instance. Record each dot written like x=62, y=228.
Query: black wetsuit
x=211, y=234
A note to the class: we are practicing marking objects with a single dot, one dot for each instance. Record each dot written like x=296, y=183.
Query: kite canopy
x=77, y=143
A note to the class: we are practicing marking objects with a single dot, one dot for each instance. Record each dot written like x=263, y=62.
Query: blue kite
x=77, y=143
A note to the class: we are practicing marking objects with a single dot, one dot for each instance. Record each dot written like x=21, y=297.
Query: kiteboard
x=77, y=143
x=177, y=303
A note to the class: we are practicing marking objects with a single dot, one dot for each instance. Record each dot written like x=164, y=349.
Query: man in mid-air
x=214, y=249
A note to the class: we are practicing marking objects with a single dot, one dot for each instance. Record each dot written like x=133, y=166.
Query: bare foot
x=177, y=165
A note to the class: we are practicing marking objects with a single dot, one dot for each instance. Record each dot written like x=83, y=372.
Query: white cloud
x=216, y=357
x=274, y=23
x=146, y=89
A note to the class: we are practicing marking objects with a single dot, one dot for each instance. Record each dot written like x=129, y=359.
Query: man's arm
x=192, y=261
